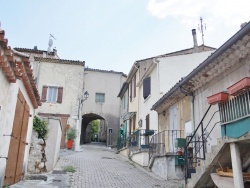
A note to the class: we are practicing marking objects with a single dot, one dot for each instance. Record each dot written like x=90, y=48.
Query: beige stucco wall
x=134, y=104
x=8, y=99
x=109, y=83
x=68, y=76
x=53, y=146
x=220, y=83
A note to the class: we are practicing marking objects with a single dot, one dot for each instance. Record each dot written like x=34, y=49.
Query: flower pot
x=217, y=98
x=69, y=144
x=239, y=87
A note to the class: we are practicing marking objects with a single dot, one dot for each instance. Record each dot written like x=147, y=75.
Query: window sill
x=145, y=100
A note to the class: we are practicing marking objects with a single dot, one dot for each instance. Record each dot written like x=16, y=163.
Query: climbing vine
x=40, y=126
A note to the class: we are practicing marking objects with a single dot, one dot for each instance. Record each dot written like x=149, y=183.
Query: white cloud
x=228, y=12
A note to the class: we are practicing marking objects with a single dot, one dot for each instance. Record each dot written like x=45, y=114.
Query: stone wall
x=35, y=154
x=164, y=166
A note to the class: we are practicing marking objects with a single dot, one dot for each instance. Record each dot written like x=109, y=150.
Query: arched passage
x=86, y=119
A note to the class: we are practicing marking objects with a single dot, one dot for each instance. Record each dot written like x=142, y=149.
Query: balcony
x=163, y=143
x=234, y=115
x=139, y=140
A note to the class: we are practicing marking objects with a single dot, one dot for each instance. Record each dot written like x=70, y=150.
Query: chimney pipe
x=195, y=39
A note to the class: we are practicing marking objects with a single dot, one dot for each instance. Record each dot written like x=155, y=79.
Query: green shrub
x=40, y=126
x=69, y=169
x=71, y=134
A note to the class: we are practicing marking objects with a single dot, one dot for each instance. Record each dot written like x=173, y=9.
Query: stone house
x=102, y=104
x=61, y=85
x=18, y=100
x=217, y=129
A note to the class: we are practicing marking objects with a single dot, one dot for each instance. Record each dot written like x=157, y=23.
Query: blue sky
x=113, y=34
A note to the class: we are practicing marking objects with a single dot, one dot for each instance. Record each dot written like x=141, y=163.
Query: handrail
x=199, y=125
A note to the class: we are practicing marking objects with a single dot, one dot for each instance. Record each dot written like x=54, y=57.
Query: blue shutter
x=146, y=87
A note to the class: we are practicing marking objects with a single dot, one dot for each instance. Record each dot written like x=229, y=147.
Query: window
x=147, y=122
x=146, y=87
x=52, y=94
x=124, y=101
x=133, y=88
x=100, y=97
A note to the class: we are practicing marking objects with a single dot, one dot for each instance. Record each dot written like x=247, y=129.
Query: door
x=173, y=127
x=14, y=167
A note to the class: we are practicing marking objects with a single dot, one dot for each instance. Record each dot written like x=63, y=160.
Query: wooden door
x=14, y=166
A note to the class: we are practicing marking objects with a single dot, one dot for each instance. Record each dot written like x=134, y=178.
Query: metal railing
x=163, y=142
x=140, y=139
x=122, y=140
x=236, y=108
x=196, y=144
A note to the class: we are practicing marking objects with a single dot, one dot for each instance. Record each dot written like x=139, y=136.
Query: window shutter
x=130, y=91
x=146, y=87
x=135, y=85
x=147, y=122
x=59, y=94
x=44, y=93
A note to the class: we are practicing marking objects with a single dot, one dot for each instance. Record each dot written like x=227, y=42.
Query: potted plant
x=217, y=98
x=239, y=87
x=71, y=135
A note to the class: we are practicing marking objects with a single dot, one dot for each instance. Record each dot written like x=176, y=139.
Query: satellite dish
x=50, y=42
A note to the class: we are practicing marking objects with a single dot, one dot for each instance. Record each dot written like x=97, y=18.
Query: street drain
x=57, y=180
x=58, y=172
x=157, y=185
x=106, y=158
x=36, y=177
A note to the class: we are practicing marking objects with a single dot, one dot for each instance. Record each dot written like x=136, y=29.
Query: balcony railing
x=235, y=109
x=163, y=142
x=140, y=139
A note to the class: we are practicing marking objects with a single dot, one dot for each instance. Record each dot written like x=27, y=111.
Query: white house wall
x=172, y=69
x=70, y=77
x=8, y=99
x=146, y=104
x=221, y=83
x=110, y=84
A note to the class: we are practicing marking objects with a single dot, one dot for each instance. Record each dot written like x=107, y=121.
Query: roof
x=60, y=61
x=222, y=57
x=123, y=89
x=16, y=65
x=106, y=71
x=27, y=50
x=200, y=48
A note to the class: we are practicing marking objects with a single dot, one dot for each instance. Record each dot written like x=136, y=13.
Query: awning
x=128, y=115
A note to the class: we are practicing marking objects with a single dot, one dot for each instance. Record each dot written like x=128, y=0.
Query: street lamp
x=80, y=101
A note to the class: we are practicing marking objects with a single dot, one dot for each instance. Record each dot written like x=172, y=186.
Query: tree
x=94, y=128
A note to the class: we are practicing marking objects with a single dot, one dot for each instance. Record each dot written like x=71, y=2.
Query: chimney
x=55, y=51
x=195, y=39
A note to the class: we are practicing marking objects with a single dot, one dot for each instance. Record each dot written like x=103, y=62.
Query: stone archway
x=86, y=119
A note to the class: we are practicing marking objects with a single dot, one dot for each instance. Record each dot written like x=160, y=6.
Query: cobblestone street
x=97, y=166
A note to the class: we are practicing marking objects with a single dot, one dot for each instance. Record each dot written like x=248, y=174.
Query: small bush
x=69, y=169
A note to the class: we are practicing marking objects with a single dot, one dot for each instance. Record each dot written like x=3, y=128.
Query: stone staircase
x=220, y=155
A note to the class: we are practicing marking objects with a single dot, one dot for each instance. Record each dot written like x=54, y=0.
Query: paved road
x=100, y=167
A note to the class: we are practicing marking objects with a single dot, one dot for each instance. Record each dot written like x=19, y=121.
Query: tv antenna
x=50, y=42
x=201, y=29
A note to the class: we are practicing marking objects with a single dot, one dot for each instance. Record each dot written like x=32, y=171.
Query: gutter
x=240, y=34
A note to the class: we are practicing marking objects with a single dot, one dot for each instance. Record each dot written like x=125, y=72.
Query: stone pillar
x=237, y=167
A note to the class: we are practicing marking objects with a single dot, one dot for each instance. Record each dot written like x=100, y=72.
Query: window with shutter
x=44, y=93
x=130, y=96
x=59, y=94
x=146, y=87
x=147, y=122
x=135, y=86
